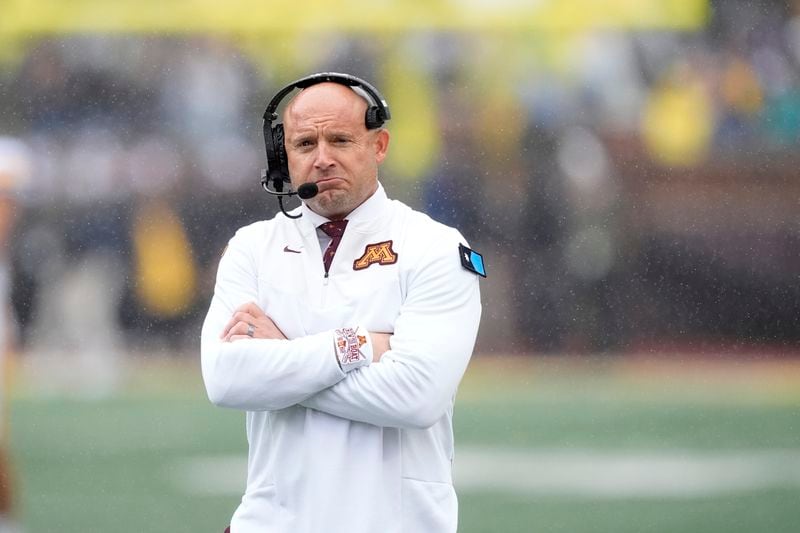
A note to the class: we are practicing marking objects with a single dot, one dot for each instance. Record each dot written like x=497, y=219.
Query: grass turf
x=108, y=465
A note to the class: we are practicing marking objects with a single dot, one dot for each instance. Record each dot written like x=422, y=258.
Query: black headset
x=277, y=171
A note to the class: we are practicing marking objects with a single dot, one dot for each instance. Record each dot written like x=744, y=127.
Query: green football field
x=543, y=445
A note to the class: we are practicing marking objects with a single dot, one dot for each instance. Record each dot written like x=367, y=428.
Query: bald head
x=325, y=99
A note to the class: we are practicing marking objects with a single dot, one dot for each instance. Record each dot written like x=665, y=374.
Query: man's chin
x=329, y=203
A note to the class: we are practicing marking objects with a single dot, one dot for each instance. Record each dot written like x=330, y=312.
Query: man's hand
x=250, y=322
x=380, y=344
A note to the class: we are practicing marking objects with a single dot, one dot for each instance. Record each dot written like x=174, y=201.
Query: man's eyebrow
x=300, y=134
x=341, y=133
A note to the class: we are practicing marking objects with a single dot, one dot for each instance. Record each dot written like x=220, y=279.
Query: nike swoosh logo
x=287, y=249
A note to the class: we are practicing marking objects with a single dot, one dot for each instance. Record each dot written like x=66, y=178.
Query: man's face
x=328, y=144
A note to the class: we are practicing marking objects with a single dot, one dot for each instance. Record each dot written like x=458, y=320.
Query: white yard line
x=210, y=474
x=626, y=475
x=583, y=473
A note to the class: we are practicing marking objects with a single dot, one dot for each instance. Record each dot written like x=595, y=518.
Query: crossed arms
x=414, y=373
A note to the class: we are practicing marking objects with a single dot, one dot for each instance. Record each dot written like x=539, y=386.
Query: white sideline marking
x=625, y=475
x=586, y=473
x=210, y=474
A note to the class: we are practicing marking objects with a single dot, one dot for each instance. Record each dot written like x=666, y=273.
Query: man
x=346, y=349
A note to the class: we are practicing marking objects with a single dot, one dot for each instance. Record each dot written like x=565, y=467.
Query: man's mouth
x=328, y=180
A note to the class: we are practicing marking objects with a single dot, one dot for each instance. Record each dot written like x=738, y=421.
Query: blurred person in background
x=15, y=170
x=343, y=331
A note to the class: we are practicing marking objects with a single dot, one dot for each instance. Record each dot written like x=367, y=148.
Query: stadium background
x=628, y=169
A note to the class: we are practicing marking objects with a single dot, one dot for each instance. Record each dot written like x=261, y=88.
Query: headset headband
x=378, y=101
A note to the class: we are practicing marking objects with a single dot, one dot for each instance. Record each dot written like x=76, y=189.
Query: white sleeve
x=258, y=374
x=415, y=382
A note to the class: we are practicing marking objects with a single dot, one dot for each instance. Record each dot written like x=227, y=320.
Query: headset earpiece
x=277, y=168
x=373, y=118
x=281, y=159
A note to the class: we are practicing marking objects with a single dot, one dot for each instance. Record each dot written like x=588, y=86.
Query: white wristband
x=353, y=348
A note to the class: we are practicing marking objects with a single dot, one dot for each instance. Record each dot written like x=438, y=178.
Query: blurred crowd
x=629, y=189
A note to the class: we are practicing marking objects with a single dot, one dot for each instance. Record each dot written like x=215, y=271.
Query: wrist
x=380, y=344
x=352, y=348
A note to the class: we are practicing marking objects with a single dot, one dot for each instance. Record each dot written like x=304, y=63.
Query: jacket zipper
x=324, y=291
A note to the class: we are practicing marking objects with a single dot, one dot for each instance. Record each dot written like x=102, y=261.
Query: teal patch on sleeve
x=471, y=260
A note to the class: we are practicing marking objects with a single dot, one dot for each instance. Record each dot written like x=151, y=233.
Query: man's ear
x=381, y=144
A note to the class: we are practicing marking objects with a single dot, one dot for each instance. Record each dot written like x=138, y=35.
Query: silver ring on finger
x=251, y=329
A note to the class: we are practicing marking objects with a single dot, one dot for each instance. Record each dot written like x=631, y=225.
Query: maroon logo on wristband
x=348, y=346
x=353, y=356
x=380, y=252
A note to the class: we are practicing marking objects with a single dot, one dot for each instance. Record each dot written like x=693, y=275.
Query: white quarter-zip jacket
x=364, y=451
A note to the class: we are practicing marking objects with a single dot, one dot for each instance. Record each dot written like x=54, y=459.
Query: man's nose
x=324, y=157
